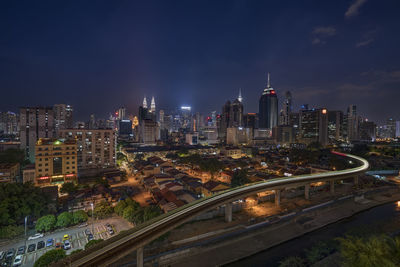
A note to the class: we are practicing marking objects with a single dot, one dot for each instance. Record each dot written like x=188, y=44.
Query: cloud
x=320, y=34
x=353, y=8
x=364, y=43
x=383, y=76
x=367, y=38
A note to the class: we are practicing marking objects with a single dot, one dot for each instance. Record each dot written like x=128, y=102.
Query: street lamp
x=26, y=222
x=91, y=204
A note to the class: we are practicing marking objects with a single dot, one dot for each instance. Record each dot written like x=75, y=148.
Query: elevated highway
x=136, y=238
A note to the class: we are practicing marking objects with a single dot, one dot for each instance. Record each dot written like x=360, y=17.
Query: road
x=78, y=238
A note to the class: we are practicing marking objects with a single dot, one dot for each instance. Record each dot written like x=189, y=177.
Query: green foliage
x=131, y=211
x=68, y=188
x=151, y=212
x=239, y=178
x=320, y=251
x=46, y=223
x=119, y=208
x=93, y=242
x=292, y=262
x=368, y=252
x=102, y=181
x=79, y=216
x=50, y=257
x=19, y=200
x=11, y=231
x=103, y=210
x=76, y=251
x=211, y=165
x=65, y=219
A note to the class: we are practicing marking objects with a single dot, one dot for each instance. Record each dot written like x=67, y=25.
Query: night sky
x=99, y=55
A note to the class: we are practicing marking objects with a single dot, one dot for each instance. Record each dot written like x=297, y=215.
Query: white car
x=35, y=236
x=17, y=260
x=67, y=245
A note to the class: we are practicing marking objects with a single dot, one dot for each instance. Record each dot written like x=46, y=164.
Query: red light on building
x=272, y=92
x=43, y=177
x=69, y=175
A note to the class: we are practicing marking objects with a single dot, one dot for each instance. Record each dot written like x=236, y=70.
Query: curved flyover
x=121, y=245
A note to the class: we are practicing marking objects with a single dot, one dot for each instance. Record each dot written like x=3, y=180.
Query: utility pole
x=91, y=204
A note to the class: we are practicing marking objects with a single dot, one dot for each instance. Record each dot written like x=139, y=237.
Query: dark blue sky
x=99, y=55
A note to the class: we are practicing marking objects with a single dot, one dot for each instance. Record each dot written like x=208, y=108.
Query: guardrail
x=126, y=242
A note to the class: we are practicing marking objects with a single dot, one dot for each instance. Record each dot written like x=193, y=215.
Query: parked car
x=21, y=250
x=2, y=253
x=87, y=232
x=31, y=247
x=65, y=237
x=110, y=231
x=59, y=245
x=35, y=236
x=49, y=242
x=67, y=245
x=17, y=261
x=41, y=244
x=10, y=253
x=90, y=237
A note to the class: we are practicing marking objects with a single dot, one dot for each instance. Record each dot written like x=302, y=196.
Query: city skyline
x=327, y=54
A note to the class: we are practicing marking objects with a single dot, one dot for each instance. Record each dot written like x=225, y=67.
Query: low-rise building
x=9, y=172
x=212, y=187
x=28, y=173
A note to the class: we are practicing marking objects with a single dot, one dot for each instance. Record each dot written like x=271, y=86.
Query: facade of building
x=95, y=147
x=9, y=123
x=352, y=123
x=283, y=134
x=314, y=126
x=28, y=174
x=56, y=161
x=9, y=172
x=239, y=136
x=148, y=132
x=35, y=123
x=367, y=131
x=63, y=116
x=335, y=124
x=286, y=109
x=268, y=108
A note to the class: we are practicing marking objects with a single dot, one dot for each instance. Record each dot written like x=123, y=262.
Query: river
x=362, y=222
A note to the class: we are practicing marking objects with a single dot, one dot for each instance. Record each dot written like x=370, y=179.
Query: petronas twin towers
x=152, y=105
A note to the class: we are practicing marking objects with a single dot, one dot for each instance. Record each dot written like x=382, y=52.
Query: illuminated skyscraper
x=240, y=98
x=153, y=105
x=268, y=107
x=144, y=102
x=287, y=108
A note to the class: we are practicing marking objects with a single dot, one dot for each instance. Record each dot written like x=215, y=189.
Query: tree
x=50, y=257
x=11, y=231
x=128, y=213
x=369, y=252
x=46, y=223
x=65, y=219
x=79, y=216
x=68, y=188
x=151, y=212
x=119, y=208
x=292, y=262
x=103, y=209
x=239, y=178
x=93, y=242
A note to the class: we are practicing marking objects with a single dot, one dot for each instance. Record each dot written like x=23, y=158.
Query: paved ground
x=78, y=238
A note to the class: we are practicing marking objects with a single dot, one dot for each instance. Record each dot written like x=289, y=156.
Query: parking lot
x=77, y=238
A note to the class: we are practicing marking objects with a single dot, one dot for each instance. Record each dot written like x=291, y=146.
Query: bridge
x=115, y=248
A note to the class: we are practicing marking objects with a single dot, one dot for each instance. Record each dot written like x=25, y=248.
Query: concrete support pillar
x=332, y=186
x=356, y=180
x=277, y=197
x=307, y=191
x=228, y=212
x=139, y=257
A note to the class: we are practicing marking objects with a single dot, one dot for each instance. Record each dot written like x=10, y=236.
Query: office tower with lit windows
x=63, y=116
x=335, y=124
x=268, y=108
x=9, y=123
x=35, y=123
x=314, y=126
x=352, y=123
x=286, y=109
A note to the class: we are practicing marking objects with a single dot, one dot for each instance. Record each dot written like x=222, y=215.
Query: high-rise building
x=148, y=132
x=8, y=123
x=153, y=105
x=56, y=161
x=92, y=122
x=144, y=102
x=250, y=120
x=240, y=98
x=63, y=116
x=287, y=109
x=95, y=147
x=314, y=126
x=391, y=126
x=283, y=134
x=367, y=131
x=122, y=113
x=35, y=123
x=352, y=121
x=236, y=114
x=335, y=122
x=268, y=107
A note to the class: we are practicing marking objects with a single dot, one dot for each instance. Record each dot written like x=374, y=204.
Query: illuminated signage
x=186, y=108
